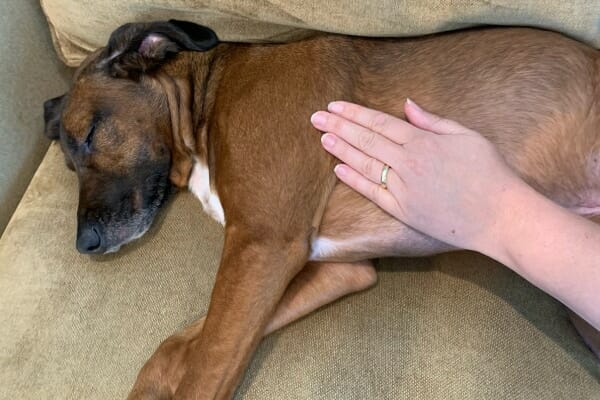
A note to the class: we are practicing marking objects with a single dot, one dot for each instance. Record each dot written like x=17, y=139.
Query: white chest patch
x=199, y=184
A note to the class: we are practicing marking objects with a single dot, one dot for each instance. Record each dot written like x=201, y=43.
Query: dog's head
x=116, y=130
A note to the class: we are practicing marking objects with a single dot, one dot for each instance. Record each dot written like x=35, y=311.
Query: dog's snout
x=89, y=240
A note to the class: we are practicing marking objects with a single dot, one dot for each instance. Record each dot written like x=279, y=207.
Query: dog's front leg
x=251, y=280
x=317, y=284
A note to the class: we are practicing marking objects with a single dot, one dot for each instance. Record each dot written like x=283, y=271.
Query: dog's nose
x=89, y=240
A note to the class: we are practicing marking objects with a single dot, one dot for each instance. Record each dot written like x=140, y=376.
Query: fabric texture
x=78, y=27
x=457, y=326
x=29, y=74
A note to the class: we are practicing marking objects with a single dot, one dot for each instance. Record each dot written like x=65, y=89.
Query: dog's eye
x=90, y=136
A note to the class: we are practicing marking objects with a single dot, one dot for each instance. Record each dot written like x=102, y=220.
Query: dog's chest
x=199, y=185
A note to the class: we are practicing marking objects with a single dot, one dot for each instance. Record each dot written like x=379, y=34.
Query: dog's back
x=533, y=93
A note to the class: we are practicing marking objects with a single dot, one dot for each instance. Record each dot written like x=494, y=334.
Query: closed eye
x=87, y=144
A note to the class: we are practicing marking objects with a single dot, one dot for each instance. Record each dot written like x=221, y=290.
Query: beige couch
x=456, y=326
x=29, y=74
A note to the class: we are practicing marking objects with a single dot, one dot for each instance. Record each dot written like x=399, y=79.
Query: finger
x=372, y=191
x=363, y=139
x=369, y=167
x=431, y=122
x=389, y=126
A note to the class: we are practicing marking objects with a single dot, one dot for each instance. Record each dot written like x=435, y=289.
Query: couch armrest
x=30, y=73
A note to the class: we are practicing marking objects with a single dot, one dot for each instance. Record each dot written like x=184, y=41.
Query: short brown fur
x=533, y=93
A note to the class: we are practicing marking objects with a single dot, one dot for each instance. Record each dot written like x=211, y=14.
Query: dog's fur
x=143, y=113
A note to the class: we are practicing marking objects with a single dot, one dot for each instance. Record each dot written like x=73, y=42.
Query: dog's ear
x=52, y=111
x=136, y=48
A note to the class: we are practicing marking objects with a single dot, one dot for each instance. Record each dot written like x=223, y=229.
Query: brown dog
x=164, y=103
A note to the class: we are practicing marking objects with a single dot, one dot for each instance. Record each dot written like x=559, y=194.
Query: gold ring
x=384, y=175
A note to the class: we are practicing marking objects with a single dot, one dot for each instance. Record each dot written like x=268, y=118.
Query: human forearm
x=551, y=247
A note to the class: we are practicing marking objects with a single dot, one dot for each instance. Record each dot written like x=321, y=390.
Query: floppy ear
x=136, y=48
x=52, y=111
x=179, y=99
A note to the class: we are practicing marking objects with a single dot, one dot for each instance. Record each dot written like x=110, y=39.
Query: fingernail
x=335, y=107
x=318, y=119
x=340, y=170
x=328, y=140
x=413, y=104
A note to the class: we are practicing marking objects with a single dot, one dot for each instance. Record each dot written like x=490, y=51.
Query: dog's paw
x=149, y=394
x=159, y=378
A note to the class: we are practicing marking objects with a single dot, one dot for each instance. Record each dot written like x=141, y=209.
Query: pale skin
x=450, y=183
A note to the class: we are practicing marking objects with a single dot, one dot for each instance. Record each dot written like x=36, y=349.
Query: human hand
x=450, y=183
x=445, y=180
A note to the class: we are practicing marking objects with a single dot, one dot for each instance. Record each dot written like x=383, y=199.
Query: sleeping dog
x=166, y=105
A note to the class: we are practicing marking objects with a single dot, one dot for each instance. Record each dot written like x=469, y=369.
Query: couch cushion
x=78, y=26
x=458, y=326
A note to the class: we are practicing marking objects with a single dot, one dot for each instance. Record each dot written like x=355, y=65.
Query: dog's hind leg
x=316, y=285
x=319, y=284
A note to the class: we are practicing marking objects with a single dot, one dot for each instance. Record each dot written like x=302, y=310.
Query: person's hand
x=450, y=183
x=445, y=180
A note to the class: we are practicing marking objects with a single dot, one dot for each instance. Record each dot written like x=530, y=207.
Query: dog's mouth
x=97, y=237
x=140, y=232
x=112, y=228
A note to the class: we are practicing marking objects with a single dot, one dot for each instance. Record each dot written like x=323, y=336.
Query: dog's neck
x=190, y=82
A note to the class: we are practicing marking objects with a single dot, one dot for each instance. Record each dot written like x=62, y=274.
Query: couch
x=72, y=326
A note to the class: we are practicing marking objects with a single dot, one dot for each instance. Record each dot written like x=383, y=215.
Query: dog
x=166, y=105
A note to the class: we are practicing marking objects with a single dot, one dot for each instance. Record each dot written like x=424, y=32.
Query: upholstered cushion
x=29, y=74
x=458, y=326
x=80, y=26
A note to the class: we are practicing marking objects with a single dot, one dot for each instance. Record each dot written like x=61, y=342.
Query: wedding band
x=384, y=175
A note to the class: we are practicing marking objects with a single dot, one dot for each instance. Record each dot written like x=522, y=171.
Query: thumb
x=431, y=122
